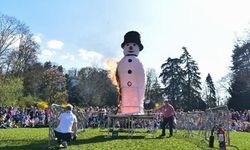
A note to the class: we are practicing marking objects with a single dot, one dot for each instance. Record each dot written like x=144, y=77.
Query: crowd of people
x=97, y=117
x=14, y=117
x=240, y=120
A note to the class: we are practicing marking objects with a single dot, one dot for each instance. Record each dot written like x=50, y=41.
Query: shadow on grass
x=101, y=138
x=43, y=144
x=37, y=145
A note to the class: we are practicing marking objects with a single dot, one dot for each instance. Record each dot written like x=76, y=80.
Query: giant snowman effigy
x=130, y=76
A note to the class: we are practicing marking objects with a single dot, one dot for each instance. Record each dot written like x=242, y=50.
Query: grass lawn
x=93, y=139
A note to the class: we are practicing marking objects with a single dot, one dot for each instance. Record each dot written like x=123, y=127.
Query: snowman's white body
x=131, y=83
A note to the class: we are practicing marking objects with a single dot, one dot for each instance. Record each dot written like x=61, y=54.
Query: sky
x=81, y=33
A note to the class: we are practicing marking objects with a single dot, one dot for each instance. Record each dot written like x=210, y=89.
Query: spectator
x=248, y=116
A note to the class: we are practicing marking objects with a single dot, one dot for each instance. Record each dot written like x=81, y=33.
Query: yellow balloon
x=42, y=105
x=157, y=105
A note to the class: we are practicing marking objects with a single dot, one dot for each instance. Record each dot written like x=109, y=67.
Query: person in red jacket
x=168, y=113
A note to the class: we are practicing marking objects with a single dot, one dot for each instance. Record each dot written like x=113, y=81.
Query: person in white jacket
x=67, y=127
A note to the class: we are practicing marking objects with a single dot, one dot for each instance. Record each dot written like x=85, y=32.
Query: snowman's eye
x=134, y=44
x=127, y=44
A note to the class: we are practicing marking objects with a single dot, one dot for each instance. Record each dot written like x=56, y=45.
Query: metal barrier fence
x=204, y=123
x=197, y=123
x=130, y=123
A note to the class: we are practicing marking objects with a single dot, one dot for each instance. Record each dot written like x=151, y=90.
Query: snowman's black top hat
x=132, y=37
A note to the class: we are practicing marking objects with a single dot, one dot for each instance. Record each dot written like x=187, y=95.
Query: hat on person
x=132, y=37
x=166, y=100
x=69, y=107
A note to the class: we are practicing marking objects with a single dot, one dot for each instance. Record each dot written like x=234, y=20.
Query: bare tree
x=150, y=77
x=222, y=89
x=25, y=55
x=14, y=38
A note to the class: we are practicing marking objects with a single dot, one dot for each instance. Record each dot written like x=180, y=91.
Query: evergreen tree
x=240, y=86
x=156, y=92
x=210, y=95
x=172, y=78
x=73, y=92
x=192, y=86
x=32, y=79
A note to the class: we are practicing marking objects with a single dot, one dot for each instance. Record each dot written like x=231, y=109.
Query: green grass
x=94, y=139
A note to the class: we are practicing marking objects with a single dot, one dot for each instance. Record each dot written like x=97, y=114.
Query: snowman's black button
x=129, y=83
x=129, y=60
x=129, y=71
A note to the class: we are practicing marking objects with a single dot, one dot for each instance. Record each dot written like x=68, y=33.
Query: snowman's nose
x=130, y=48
